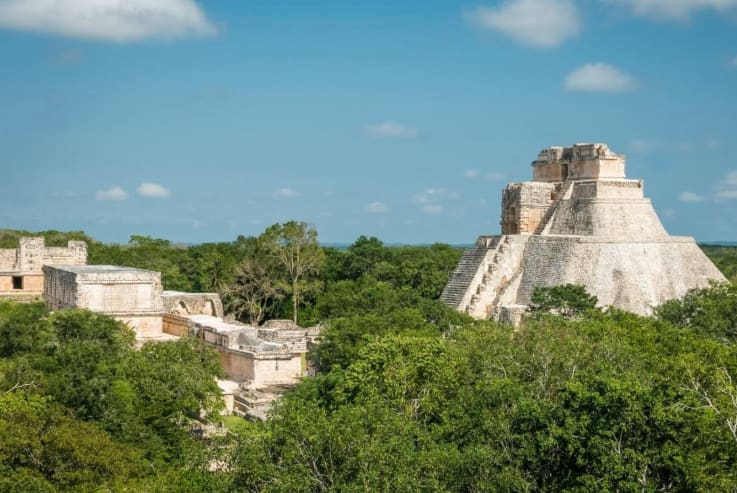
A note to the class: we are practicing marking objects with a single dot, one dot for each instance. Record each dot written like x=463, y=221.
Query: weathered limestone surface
x=182, y=303
x=581, y=221
x=21, y=274
x=131, y=295
x=246, y=356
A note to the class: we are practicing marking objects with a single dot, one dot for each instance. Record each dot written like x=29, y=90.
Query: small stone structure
x=248, y=354
x=261, y=363
x=131, y=295
x=579, y=221
x=21, y=274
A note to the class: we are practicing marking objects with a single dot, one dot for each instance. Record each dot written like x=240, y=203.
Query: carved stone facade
x=131, y=295
x=21, y=269
x=579, y=221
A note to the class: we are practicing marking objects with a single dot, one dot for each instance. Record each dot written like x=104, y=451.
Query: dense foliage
x=567, y=300
x=724, y=257
x=614, y=402
x=82, y=410
x=410, y=395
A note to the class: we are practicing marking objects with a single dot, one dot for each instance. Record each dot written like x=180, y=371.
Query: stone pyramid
x=580, y=221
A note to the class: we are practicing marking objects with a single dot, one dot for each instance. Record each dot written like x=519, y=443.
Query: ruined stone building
x=133, y=296
x=580, y=221
x=21, y=269
x=252, y=357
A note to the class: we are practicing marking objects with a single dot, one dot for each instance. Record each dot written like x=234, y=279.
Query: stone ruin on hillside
x=579, y=221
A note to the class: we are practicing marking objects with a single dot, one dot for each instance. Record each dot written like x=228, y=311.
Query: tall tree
x=254, y=290
x=294, y=245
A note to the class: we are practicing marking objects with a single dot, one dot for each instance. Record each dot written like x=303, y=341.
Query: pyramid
x=579, y=221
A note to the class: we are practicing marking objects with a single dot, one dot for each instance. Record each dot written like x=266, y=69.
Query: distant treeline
x=215, y=267
x=725, y=258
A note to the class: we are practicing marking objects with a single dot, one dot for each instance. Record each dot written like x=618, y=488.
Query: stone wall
x=21, y=269
x=631, y=275
x=145, y=327
x=9, y=260
x=262, y=356
x=60, y=290
x=33, y=283
x=260, y=370
x=130, y=295
x=182, y=303
x=608, y=189
x=578, y=162
x=175, y=325
x=636, y=276
x=524, y=205
x=607, y=218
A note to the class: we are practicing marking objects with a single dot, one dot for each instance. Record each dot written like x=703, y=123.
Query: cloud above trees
x=120, y=21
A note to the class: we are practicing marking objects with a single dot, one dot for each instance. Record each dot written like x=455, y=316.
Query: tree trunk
x=294, y=303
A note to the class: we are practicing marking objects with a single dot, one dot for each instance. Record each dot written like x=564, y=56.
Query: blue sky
x=200, y=121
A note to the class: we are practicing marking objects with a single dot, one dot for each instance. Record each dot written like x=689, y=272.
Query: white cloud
x=490, y=176
x=120, y=21
x=153, y=191
x=727, y=188
x=494, y=176
x=377, y=207
x=733, y=62
x=433, y=195
x=690, y=197
x=432, y=199
x=112, y=193
x=641, y=145
x=730, y=179
x=711, y=143
x=726, y=194
x=599, y=77
x=391, y=130
x=286, y=193
x=680, y=10
x=433, y=209
x=539, y=23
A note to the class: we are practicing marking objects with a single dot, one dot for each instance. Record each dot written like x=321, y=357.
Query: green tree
x=568, y=300
x=256, y=286
x=43, y=448
x=164, y=387
x=711, y=311
x=294, y=246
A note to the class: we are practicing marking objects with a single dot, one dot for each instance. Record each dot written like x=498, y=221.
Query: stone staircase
x=494, y=285
x=488, y=276
x=462, y=278
x=564, y=193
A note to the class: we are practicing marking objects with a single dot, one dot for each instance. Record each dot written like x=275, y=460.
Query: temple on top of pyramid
x=580, y=221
